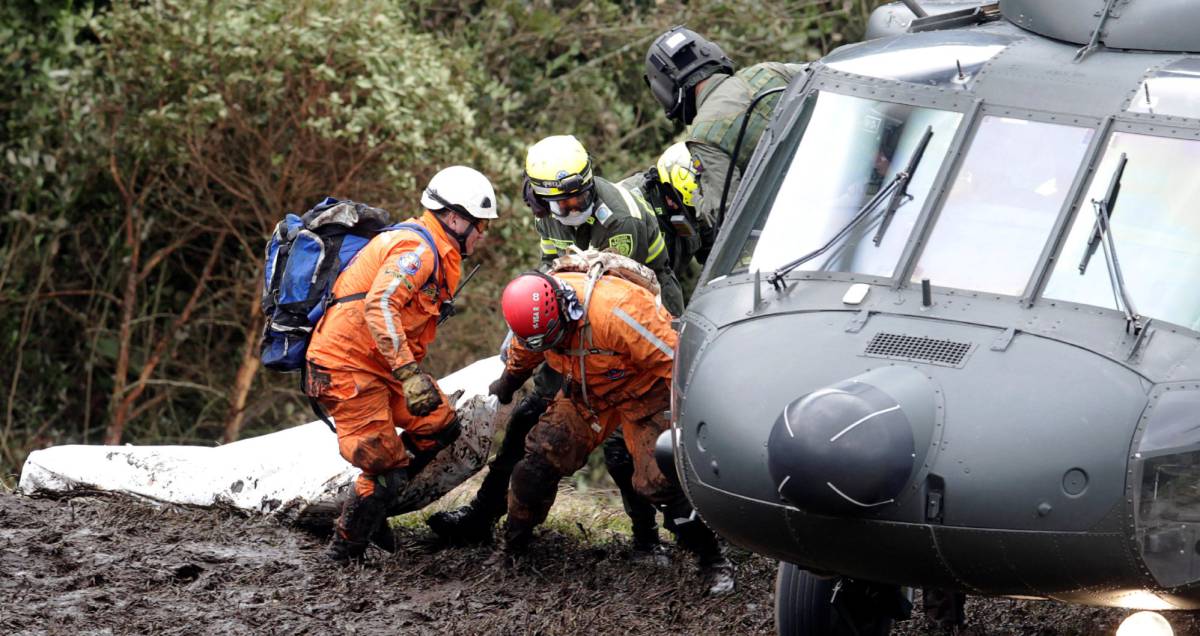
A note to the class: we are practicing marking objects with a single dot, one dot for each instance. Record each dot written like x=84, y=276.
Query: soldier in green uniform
x=671, y=189
x=696, y=84
x=575, y=208
x=589, y=212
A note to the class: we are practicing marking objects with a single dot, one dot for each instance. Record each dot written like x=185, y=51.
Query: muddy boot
x=364, y=519
x=718, y=576
x=473, y=523
x=697, y=538
x=361, y=518
x=648, y=548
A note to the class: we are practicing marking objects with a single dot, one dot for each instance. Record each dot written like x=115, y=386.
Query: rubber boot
x=694, y=536
x=473, y=523
x=363, y=519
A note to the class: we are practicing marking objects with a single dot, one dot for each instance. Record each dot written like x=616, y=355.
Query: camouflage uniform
x=720, y=108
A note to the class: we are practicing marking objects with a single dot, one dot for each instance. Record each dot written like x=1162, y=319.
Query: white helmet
x=461, y=189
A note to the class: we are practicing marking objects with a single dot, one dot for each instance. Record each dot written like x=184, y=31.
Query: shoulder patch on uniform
x=603, y=213
x=409, y=263
x=621, y=244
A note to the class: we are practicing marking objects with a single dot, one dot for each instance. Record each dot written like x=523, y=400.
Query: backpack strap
x=423, y=232
x=419, y=230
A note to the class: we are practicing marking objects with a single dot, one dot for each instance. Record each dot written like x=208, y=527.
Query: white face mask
x=574, y=219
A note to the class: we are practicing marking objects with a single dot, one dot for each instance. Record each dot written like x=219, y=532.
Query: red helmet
x=538, y=308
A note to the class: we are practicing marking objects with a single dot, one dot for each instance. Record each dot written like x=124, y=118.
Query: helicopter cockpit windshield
x=851, y=149
x=1156, y=229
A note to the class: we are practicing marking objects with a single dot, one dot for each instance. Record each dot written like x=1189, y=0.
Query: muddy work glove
x=504, y=387
x=420, y=392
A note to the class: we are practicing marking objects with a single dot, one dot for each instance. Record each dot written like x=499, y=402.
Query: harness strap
x=317, y=409
x=585, y=335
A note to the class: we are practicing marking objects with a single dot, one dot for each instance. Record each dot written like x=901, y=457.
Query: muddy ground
x=110, y=565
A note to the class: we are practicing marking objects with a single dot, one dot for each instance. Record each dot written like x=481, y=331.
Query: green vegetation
x=149, y=147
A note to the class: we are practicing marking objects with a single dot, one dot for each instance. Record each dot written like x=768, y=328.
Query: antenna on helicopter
x=915, y=8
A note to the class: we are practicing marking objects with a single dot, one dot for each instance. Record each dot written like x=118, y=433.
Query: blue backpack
x=305, y=255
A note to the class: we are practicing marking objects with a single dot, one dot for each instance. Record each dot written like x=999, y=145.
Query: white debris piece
x=282, y=473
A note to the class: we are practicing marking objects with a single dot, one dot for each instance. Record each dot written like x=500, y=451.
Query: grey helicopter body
x=1026, y=422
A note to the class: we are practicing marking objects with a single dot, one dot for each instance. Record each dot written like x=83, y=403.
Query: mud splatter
x=113, y=565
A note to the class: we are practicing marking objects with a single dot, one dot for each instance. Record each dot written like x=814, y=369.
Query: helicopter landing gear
x=811, y=605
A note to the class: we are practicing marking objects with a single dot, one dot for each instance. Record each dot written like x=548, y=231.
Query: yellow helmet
x=557, y=167
x=677, y=169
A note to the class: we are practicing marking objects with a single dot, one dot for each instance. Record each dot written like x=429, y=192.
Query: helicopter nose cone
x=845, y=449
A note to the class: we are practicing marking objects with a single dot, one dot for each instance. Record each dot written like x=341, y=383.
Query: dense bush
x=148, y=149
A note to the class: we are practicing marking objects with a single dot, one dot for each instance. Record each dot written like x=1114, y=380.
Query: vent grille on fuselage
x=897, y=346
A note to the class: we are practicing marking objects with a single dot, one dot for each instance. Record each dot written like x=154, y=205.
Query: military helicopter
x=949, y=336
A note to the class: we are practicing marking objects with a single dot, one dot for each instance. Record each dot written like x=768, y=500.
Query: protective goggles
x=568, y=205
x=570, y=185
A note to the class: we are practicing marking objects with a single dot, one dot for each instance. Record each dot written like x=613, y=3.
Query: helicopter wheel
x=805, y=605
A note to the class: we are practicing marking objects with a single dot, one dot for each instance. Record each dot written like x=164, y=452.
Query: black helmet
x=677, y=61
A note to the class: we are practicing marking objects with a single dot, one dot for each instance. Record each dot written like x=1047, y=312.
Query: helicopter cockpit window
x=1172, y=90
x=851, y=149
x=1004, y=201
x=1154, y=227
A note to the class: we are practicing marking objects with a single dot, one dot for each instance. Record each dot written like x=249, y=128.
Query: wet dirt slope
x=102, y=564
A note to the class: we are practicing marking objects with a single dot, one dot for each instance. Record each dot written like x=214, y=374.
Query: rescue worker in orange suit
x=614, y=350
x=364, y=354
x=573, y=208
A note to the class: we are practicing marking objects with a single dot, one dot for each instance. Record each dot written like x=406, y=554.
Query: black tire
x=802, y=602
x=804, y=607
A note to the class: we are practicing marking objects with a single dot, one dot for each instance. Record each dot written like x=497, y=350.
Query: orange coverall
x=357, y=344
x=628, y=384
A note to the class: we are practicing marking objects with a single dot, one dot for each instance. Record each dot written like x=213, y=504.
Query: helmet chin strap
x=460, y=238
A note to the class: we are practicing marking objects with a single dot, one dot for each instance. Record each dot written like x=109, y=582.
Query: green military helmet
x=677, y=61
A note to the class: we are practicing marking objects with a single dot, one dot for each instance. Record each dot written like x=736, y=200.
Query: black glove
x=504, y=387
x=420, y=391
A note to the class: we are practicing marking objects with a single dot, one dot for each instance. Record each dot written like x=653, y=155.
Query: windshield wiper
x=1110, y=204
x=898, y=183
x=1102, y=234
x=901, y=191
x=776, y=279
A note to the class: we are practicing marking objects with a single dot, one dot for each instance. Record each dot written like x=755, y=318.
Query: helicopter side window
x=850, y=150
x=1154, y=227
x=1005, y=199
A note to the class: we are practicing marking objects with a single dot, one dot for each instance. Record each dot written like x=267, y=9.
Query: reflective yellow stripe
x=656, y=248
x=644, y=332
x=548, y=247
x=633, y=207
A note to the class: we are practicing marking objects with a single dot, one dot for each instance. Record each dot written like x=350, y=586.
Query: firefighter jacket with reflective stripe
x=629, y=349
x=622, y=222
x=720, y=109
x=394, y=324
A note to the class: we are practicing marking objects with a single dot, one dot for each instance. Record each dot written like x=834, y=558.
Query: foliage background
x=148, y=148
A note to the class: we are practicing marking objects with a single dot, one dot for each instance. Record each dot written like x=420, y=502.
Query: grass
x=584, y=510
